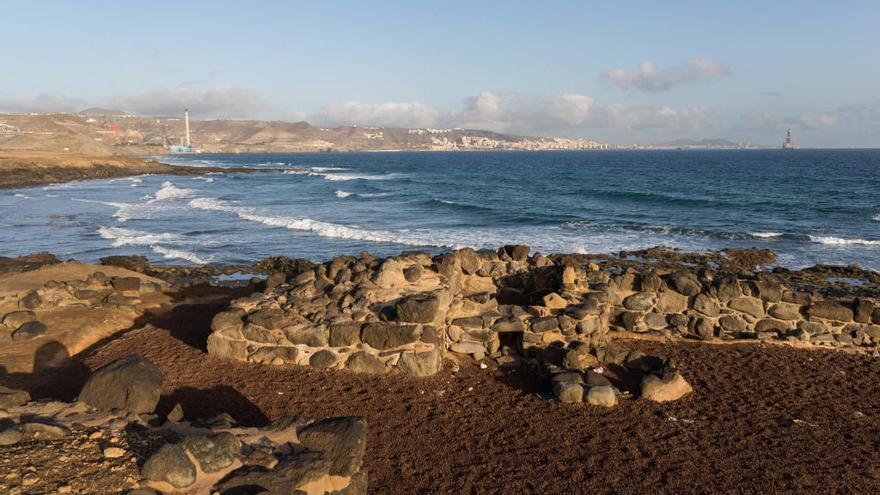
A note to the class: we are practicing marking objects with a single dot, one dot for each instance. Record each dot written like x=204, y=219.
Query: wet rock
x=671, y=387
x=748, y=305
x=602, y=396
x=170, y=464
x=419, y=364
x=213, y=453
x=322, y=359
x=132, y=384
x=30, y=330
x=364, y=362
x=640, y=301
x=387, y=335
x=569, y=392
x=343, y=442
x=829, y=310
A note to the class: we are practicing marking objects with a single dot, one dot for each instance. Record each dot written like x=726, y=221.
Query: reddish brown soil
x=762, y=419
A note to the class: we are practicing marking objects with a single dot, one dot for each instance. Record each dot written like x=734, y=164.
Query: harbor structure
x=787, y=144
x=185, y=145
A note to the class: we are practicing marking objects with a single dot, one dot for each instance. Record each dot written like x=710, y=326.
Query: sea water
x=811, y=206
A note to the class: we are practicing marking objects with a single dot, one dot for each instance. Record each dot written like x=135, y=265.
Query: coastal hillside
x=101, y=132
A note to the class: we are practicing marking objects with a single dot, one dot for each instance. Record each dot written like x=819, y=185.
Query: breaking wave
x=876, y=217
x=766, y=235
x=352, y=176
x=120, y=237
x=170, y=192
x=342, y=194
x=838, y=241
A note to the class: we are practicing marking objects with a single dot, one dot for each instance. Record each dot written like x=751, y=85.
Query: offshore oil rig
x=185, y=145
x=787, y=144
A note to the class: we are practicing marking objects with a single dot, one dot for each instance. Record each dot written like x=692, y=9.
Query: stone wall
x=370, y=315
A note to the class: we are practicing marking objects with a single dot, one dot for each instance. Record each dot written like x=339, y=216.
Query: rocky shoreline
x=20, y=170
x=565, y=322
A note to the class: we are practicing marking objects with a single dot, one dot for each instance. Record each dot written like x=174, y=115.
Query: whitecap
x=839, y=241
x=128, y=237
x=22, y=196
x=170, y=192
x=876, y=217
x=342, y=194
x=179, y=254
x=202, y=177
x=329, y=169
x=334, y=177
x=766, y=235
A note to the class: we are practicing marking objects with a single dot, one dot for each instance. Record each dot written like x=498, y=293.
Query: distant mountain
x=102, y=131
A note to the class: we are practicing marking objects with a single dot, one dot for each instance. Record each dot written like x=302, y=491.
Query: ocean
x=810, y=206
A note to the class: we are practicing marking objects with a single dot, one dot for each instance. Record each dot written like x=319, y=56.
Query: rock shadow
x=205, y=403
x=55, y=374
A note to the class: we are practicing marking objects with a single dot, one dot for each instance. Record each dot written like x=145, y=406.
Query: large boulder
x=343, y=441
x=419, y=308
x=30, y=330
x=749, y=305
x=364, y=362
x=640, y=301
x=132, y=384
x=387, y=335
x=170, y=465
x=672, y=386
x=829, y=310
x=686, y=283
x=425, y=363
x=213, y=453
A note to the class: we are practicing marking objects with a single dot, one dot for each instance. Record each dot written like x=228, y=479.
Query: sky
x=617, y=72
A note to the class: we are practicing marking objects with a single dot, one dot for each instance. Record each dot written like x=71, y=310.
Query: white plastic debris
x=483, y=366
x=600, y=370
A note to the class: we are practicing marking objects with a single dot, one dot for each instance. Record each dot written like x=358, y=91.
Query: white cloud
x=647, y=77
x=566, y=114
x=44, y=103
x=388, y=114
x=217, y=102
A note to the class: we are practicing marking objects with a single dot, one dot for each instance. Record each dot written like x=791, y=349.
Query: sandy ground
x=762, y=418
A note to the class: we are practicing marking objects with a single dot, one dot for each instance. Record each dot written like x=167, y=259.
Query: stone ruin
x=114, y=415
x=406, y=313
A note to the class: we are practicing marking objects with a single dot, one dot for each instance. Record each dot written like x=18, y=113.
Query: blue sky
x=615, y=72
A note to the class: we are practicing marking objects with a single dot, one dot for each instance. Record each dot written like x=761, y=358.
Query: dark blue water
x=819, y=206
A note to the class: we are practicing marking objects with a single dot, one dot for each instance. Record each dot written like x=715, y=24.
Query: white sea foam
x=170, y=192
x=128, y=237
x=178, y=254
x=342, y=194
x=766, y=235
x=22, y=196
x=352, y=176
x=328, y=169
x=876, y=217
x=838, y=241
x=124, y=211
x=202, y=177
x=51, y=195
x=120, y=237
